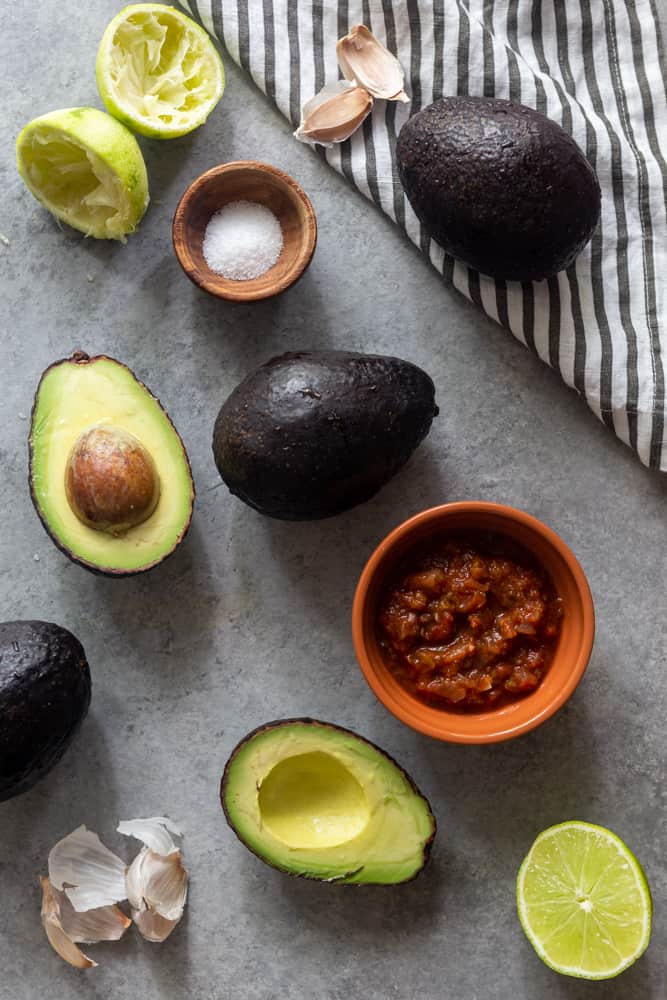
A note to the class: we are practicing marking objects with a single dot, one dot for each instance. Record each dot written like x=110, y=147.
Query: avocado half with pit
x=311, y=434
x=109, y=475
x=315, y=800
x=44, y=697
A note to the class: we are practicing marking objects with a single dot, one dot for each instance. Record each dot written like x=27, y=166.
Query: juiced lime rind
x=629, y=864
x=86, y=168
x=128, y=95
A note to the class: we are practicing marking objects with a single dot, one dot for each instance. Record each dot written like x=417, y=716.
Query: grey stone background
x=250, y=620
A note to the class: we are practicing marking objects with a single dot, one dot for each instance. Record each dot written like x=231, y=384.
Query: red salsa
x=469, y=623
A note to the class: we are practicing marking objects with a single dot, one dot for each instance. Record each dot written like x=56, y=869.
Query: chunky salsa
x=469, y=625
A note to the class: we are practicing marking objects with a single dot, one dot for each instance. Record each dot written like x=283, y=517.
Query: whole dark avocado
x=499, y=186
x=44, y=697
x=311, y=434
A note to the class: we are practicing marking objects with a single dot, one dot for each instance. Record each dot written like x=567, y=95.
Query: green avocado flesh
x=74, y=396
x=315, y=800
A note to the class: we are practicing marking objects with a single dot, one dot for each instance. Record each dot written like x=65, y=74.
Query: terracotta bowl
x=574, y=644
x=245, y=180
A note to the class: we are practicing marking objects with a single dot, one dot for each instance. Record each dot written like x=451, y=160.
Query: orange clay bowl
x=571, y=655
x=245, y=180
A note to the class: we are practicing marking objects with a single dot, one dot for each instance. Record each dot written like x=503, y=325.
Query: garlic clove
x=64, y=926
x=154, y=832
x=152, y=926
x=157, y=885
x=166, y=885
x=365, y=60
x=334, y=113
x=91, y=875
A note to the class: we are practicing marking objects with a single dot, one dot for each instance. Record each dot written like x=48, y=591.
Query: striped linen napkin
x=594, y=66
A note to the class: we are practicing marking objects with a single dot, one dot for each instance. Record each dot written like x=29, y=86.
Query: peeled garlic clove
x=334, y=114
x=90, y=873
x=64, y=926
x=154, y=832
x=365, y=60
x=157, y=885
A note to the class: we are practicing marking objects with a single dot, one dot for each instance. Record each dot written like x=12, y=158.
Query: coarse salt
x=242, y=240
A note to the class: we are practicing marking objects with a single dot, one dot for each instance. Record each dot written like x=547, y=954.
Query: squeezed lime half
x=584, y=902
x=157, y=71
x=87, y=169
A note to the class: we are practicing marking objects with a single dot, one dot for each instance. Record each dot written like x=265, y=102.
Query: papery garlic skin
x=365, y=60
x=64, y=925
x=153, y=832
x=58, y=939
x=333, y=114
x=91, y=874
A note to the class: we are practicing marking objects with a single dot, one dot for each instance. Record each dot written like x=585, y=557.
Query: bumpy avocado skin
x=44, y=697
x=311, y=434
x=499, y=186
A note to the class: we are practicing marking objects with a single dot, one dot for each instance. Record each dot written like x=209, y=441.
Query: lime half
x=157, y=71
x=584, y=901
x=87, y=169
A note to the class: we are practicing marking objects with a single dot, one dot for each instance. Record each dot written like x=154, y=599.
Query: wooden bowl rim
x=226, y=288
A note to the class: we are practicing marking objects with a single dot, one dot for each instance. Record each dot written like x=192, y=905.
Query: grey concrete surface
x=250, y=620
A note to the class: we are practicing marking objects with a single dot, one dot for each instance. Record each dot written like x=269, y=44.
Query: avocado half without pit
x=311, y=434
x=315, y=800
x=44, y=697
x=109, y=475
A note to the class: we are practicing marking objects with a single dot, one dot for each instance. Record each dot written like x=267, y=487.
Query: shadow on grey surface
x=323, y=559
x=506, y=793
x=168, y=962
x=636, y=983
x=166, y=160
x=57, y=801
x=80, y=789
x=238, y=337
x=364, y=912
x=161, y=613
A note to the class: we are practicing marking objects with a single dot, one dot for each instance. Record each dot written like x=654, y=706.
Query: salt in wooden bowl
x=245, y=180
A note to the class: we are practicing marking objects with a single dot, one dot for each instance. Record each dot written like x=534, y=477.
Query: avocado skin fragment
x=44, y=697
x=289, y=864
x=499, y=186
x=311, y=434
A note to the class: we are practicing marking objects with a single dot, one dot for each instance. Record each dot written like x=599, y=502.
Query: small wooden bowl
x=245, y=180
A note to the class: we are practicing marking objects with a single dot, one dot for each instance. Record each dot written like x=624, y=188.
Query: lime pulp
x=87, y=169
x=584, y=902
x=158, y=71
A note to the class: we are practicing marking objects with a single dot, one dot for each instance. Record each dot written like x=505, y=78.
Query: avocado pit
x=111, y=480
x=311, y=800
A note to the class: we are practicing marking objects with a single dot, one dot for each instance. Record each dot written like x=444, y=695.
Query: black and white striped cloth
x=594, y=66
